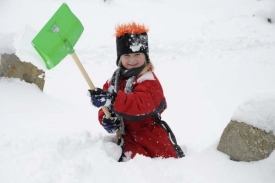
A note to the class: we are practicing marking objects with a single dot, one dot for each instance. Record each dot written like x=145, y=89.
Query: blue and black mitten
x=111, y=125
x=101, y=98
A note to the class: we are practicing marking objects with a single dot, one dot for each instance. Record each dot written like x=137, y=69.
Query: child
x=135, y=99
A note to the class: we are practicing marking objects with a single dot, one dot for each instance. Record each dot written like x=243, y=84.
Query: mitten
x=101, y=98
x=111, y=124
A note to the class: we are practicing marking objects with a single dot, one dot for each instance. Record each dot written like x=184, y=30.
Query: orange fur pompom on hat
x=130, y=28
x=132, y=38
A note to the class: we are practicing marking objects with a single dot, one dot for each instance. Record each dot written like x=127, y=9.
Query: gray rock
x=12, y=67
x=244, y=142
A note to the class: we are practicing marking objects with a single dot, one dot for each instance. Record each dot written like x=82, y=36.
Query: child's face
x=132, y=60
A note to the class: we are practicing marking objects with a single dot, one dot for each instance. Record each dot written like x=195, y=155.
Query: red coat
x=143, y=135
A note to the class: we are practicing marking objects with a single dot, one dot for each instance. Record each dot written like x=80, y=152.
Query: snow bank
x=258, y=111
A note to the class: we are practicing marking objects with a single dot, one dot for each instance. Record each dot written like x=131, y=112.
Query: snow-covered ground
x=215, y=60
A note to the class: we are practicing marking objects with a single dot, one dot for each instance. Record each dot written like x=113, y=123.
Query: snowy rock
x=243, y=142
x=12, y=67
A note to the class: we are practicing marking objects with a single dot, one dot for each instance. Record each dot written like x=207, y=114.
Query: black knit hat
x=132, y=38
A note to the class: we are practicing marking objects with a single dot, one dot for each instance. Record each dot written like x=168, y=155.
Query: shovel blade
x=58, y=37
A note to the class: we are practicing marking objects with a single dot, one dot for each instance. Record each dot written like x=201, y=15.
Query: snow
x=215, y=60
x=258, y=111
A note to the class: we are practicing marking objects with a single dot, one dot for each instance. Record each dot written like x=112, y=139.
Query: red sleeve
x=146, y=97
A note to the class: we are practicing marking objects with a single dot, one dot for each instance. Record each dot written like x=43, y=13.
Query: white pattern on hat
x=136, y=47
x=138, y=42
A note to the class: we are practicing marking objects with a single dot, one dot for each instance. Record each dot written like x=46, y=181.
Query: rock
x=12, y=67
x=244, y=142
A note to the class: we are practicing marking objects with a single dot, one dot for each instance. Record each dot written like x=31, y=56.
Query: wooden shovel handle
x=88, y=80
x=92, y=86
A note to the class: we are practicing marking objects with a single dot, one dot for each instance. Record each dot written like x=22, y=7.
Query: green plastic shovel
x=57, y=38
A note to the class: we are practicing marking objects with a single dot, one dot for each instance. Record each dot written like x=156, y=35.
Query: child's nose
x=132, y=59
